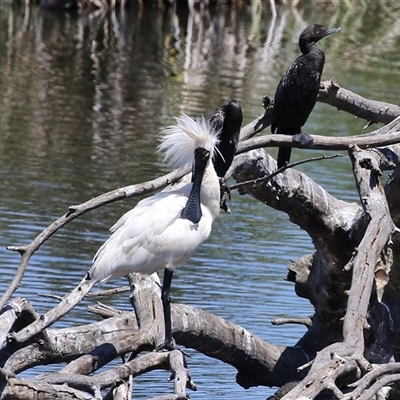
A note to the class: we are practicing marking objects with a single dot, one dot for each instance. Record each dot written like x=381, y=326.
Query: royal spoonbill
x=163, y=231
x=297, y=91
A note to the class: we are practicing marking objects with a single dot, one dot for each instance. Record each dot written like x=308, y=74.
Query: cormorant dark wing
x=296, y=95
x=282, y=97
x=228, y=120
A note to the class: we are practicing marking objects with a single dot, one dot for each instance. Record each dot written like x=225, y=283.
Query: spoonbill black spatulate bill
x=163, y=231
x=297, y=91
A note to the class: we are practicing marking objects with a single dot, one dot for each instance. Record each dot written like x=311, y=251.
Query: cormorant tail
x=284, y=156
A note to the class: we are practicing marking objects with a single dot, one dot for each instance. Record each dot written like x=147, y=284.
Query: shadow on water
x=82, y=99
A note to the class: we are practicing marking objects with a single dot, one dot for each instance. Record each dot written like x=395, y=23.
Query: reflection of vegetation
x=94, y=72
x=347, y=5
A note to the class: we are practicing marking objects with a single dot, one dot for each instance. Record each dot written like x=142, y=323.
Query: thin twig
x=109, y=292
x=281, y=169
x=50, y=296
x=77, y=210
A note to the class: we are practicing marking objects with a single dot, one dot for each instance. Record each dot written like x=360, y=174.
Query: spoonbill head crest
x=178, y=142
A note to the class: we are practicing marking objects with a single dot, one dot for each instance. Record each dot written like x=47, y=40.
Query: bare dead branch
x=371, y=110
x=377, y=371
x=138, y=366
x=109, y=292
x=385, y=136
x=379, y=384
x=377, y=236
x=76, y=211
x=18, y=309
x=22, y=389
x=338, y=359
x=300, y=321
x=267, y=178
x=68, y=302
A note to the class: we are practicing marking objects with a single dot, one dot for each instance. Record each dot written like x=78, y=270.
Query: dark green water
x=82, y=99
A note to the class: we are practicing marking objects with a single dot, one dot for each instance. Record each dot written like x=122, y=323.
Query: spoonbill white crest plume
x=226, y=119
x=164, y=230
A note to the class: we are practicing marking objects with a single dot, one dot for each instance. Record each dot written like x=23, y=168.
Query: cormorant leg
x=225, y=194
x=169, y=343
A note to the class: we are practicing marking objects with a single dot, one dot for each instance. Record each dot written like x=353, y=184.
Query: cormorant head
x=312, y=34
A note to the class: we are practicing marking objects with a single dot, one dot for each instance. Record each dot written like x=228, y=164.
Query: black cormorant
x=228, y=120
x=297, y=91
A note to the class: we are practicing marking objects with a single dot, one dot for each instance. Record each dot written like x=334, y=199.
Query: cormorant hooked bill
x=297, y=91
x=226, y=119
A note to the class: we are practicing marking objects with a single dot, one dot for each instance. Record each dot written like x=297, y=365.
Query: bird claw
x=303, y=138
x=225, y=194
x=224, y=207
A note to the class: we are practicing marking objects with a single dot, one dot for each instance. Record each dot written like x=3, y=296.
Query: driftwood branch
x=347, y=358
x=371, y=110
x=189, y=330
x=331, y=93
x=385, y=136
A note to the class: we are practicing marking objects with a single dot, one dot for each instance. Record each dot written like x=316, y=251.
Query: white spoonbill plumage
x=163, y=231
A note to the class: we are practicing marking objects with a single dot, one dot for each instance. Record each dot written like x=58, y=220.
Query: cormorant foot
x=303, y=138
x=224, y=207
x=225, y=194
